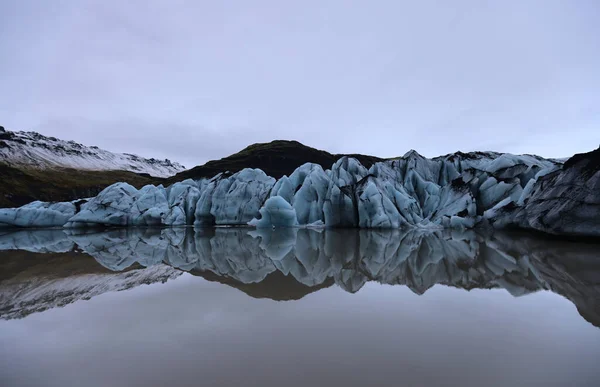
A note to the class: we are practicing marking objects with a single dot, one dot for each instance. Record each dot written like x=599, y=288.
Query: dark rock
x=276, y=158
x=588, y=163
x=566, y=202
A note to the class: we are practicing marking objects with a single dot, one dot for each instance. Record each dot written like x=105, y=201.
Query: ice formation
x=38, y=214
x=460, y=190
x=276, y=213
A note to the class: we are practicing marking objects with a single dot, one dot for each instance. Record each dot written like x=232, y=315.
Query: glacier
x=459, y=191
x=38, y=214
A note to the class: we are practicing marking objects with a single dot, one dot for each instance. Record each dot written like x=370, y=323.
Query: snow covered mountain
x=32, y=149
x=275, y=158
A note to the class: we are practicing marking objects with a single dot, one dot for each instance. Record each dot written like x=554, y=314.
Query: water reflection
x=287, y=264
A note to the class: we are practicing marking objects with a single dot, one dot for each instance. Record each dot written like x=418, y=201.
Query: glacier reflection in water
x=338, y=325
x=284, y=264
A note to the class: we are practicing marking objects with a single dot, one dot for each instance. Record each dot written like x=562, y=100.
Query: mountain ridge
x=34, y=150
x=275, y=158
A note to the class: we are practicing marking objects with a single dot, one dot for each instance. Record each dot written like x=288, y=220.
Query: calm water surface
x=230, y=307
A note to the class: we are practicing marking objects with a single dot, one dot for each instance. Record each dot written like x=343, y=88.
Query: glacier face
x=35, y=150
x=38, y=214
x=460, y=190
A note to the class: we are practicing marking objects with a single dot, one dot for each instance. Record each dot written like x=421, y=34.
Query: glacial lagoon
x=297, y=307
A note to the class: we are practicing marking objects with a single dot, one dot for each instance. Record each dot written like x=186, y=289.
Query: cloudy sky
x=198, y=80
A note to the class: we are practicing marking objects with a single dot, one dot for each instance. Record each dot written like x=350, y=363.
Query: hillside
x=276, y=158
x=33, y=150
x=21, y=185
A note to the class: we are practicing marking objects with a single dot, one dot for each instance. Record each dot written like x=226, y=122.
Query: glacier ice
x=112, y=207
x=150, y=207
x=182, y=198
x=275, y=213
x=459, y=190
x=233, y=200
x=38, y=214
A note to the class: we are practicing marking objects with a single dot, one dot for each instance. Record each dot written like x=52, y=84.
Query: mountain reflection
x=287, y=264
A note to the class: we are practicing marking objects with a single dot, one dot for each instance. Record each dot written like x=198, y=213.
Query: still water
x=231, y=307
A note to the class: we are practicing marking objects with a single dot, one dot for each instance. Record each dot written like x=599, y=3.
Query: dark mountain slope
x=20, y=185
x=276, y=158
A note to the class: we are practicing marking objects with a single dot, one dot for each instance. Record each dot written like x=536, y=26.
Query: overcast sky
x=198, y=80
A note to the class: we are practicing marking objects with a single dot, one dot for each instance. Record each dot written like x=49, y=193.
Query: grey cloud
x=381, y=77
